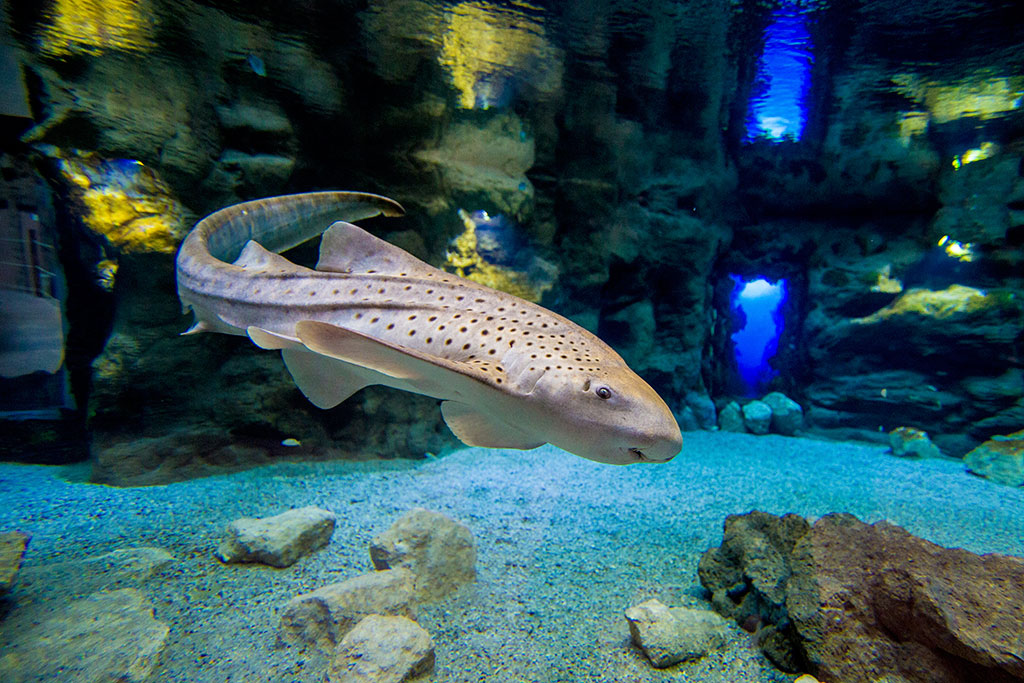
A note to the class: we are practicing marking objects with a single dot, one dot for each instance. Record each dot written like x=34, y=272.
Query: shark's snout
x=663, y=447
x=660, y=452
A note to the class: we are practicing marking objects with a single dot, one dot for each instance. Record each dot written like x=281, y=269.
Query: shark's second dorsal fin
x=347, y=248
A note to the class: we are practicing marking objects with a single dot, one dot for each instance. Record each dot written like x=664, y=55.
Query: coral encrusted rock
x=324, y=616
x=439, y=551
x=278, y=541
x=852, y=602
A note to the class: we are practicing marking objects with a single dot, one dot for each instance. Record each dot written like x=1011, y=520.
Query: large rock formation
x=854, y=602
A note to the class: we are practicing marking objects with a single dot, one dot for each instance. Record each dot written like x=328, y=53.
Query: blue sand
x=564, y=546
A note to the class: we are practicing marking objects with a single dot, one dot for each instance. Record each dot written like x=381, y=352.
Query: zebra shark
x=509, y=373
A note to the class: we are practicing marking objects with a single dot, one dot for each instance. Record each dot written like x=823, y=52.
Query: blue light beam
x=779, y=111
x=757, y=341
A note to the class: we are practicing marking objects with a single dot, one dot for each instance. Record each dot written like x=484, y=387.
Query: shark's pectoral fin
x=347, y=248
x=265, y=339
x=359, y=349
x=413, y=370
x=324, y=381
x=474, y=428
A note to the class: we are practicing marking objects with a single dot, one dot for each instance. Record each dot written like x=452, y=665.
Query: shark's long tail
x=280, y=223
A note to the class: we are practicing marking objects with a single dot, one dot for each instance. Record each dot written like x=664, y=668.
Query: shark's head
x=610, y=416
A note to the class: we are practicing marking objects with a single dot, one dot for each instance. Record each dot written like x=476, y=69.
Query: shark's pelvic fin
x=324, y=381
x=359, y=349
x=347, y=248
x=197, y=327
x=478, y=429
x=265, y=339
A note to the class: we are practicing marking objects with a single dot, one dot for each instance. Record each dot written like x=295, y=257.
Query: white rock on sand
x=382, y=650
x=438, y=550
x=323, y=617
x=672, y=635
x=278, y=541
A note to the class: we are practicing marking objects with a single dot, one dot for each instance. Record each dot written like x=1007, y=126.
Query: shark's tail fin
x=280, y=223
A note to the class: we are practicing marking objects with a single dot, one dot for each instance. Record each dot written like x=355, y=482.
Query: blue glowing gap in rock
x=760, y=303
x=778, y=111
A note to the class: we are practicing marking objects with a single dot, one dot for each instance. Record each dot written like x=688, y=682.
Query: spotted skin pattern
x=371, y=313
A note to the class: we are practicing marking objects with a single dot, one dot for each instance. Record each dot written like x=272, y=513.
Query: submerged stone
x=757, y=417
x=854, y=602
x=12, y=550
x=787, y=415
x=672, y=635
x=1000, y=459
x=108, y=636
x=438, y=550
x=731, y=418
x=382, y=649
x=907, y=441
x=324, y=616
x=278, y=541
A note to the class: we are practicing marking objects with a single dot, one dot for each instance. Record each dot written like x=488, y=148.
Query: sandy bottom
x=564, y=547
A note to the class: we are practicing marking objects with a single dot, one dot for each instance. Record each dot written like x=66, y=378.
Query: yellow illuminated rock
x=886, y=283
x=135, y=211
x=931, y=303
x=481, y=40
x=986, y=150
x=961, y=251
x=95, y=26
x=983, y=96
x=912, y=124
x=465, y=261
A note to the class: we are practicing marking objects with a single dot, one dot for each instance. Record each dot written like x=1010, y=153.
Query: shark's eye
x=603, y=393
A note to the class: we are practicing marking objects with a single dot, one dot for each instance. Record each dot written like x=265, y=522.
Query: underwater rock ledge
x=854, y=602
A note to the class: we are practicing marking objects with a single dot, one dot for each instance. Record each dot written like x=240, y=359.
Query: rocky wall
x=908, y=271
x=608, y=138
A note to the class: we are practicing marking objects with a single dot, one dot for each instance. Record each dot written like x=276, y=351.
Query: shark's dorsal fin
x=478, y=429
x=326, y=382
x=255, y=257
x=347, y=248
x=427, y=371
